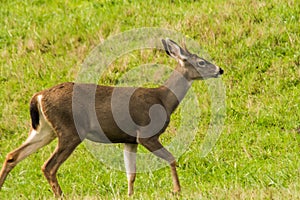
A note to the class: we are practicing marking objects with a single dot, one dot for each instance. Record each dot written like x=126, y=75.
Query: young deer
x=71, y=112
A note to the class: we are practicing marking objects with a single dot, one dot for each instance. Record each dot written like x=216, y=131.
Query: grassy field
x=43, y=43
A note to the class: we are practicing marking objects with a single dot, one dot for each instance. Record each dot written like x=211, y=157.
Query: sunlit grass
x=43, y=43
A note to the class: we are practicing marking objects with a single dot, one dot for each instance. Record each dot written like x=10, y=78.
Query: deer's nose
x=221, y=71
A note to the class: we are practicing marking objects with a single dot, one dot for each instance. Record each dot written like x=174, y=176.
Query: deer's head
x=190, y=65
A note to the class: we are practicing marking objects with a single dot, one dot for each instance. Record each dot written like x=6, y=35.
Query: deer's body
x=56, y=106
x=74, y=112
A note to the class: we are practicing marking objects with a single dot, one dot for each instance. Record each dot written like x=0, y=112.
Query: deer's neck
x=174, y=90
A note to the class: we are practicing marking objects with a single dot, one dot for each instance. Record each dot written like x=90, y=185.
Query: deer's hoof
x=176, y=191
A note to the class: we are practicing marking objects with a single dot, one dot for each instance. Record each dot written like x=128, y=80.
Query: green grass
x=43, y=43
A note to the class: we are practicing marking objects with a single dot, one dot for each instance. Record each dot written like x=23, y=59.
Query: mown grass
x=43, y=43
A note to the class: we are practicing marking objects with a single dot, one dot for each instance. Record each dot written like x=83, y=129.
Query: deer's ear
x=174, y=50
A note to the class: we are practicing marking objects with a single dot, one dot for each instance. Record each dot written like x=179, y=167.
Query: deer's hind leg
x=36, y=140
x=67, y=142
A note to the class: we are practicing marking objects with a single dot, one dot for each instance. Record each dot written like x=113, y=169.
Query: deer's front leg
x=153, y=145
x=130, y=165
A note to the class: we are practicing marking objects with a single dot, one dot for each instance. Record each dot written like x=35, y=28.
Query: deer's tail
x=34, y=112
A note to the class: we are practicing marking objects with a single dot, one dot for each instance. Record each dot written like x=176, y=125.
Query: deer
x=97, y=114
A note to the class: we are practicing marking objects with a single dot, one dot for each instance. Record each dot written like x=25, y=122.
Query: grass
x=43, y=43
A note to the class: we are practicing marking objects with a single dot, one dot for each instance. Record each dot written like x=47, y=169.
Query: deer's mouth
x=214, y=75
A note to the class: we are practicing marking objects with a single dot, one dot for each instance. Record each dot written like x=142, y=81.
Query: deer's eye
x=201, y=63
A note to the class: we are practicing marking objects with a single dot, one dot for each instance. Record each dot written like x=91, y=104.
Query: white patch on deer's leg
x=32, y=135
x=130, y=165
